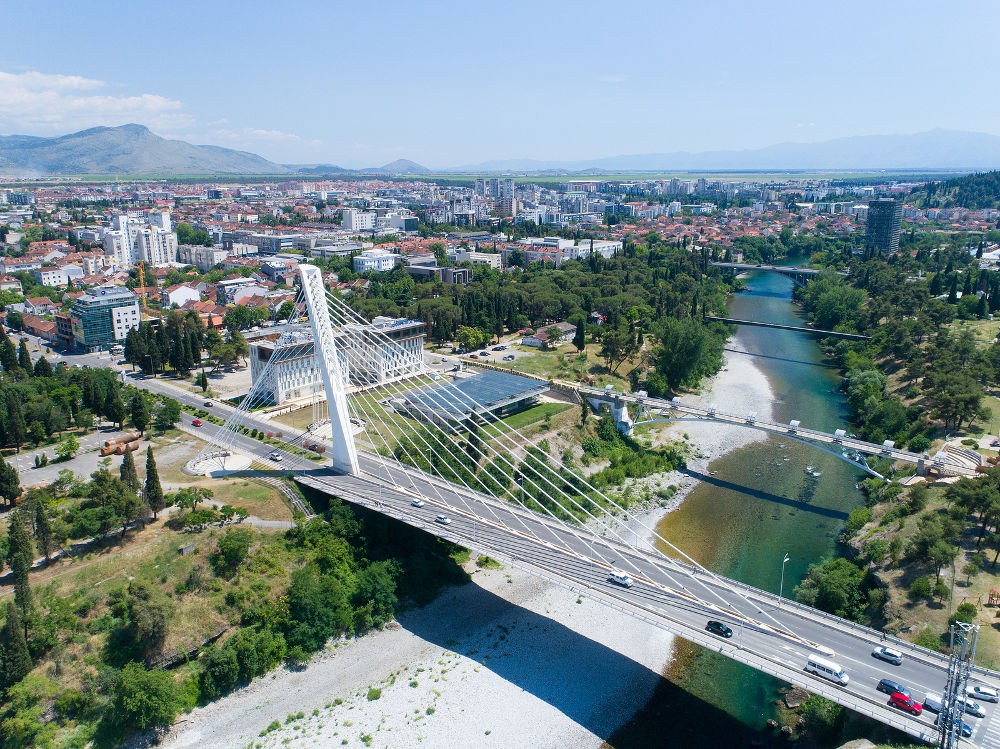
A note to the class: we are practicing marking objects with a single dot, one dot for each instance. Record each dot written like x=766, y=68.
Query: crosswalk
x=987, y=733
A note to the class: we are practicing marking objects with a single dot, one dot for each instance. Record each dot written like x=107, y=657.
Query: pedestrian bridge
x=799, y=275
x=477, y=482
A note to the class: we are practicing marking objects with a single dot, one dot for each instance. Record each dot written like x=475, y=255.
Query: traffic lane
x=685, y=613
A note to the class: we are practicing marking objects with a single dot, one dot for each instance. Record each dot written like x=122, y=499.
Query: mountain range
x=135, y=150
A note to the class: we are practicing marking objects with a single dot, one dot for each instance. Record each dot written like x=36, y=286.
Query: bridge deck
x=677, y=597
x=813, y=331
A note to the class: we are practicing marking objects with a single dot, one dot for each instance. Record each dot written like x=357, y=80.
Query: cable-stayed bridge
x=406, y=441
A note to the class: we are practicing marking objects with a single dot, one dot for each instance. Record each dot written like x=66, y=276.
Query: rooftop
x=484, y=391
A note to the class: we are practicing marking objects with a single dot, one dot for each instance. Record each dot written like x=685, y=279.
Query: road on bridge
x=674, y=596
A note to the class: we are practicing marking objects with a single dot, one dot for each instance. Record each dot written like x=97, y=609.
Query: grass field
x=565, y=363
x=529, y=416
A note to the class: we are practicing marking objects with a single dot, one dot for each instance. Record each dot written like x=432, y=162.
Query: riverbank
x=740, y=387
x=506, y=661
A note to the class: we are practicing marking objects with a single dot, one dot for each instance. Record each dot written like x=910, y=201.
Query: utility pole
x=781, y=588
x=963, y=655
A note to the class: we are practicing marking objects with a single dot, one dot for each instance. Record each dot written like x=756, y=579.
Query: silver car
x=986, y=694
x=888, y=655
x=971, y=708
x=443, y=519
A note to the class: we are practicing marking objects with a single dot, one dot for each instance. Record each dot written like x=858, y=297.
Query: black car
x=888, y=686
x=718, y=628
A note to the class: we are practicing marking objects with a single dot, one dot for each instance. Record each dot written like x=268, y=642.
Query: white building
x=375, y=259
x=365, y=358
x=51, y=276
x=136, y=236
x=492, y=259
x=355, y=220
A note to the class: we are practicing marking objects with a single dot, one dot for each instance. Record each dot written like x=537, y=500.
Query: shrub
x=966, y=612
x=920, y=588
x=374, y=693
x=856, y=520
x=920, y=443
x=823, y=717
x=876, y=550
x=221, y=673
x=941, y=591
x=927, y=639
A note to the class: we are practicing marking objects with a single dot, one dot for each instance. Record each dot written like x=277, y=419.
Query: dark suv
x=891, y=687
x=718, y=628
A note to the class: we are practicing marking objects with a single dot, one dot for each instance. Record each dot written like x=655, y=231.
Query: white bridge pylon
x=344, y=453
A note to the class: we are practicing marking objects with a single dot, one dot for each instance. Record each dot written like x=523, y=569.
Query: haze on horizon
x=456, y=84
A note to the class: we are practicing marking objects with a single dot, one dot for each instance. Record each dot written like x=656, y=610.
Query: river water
x=761, y=504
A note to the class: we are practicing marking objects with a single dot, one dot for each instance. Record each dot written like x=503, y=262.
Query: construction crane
x=142, y=285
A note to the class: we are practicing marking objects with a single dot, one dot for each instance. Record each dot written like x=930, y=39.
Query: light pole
x=781, y=588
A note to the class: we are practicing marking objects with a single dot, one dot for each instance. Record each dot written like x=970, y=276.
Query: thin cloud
x=261, y=134
x=53, y=103
x=612, y=78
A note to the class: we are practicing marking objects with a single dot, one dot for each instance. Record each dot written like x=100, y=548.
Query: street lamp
x=781, y=589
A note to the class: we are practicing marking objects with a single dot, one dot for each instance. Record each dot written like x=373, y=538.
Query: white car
x=889, y=655
x=443, y=519
x=986, y=694
x=417, y=503
x=275, y=456
x=620, y=579
x=971, y=708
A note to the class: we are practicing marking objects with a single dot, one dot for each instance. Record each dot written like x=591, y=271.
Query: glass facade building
x=103, y=317
x=885, y=218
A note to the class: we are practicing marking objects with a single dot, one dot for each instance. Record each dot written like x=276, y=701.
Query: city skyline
x=487, y=84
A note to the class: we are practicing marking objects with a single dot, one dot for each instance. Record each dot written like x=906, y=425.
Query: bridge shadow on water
x=590, y=683
x=825, y=512
x=822, y=365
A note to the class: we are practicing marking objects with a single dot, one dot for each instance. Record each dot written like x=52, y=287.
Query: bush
x=221, y=673
x=374, y=693
x=920, y=443
x=941, y=591
x=823, y=717
x=927, y=639
x=966, y=612
x=921, y=588
x=876, y=550
x=143, y=699
x=233, y=549
x=856, y=520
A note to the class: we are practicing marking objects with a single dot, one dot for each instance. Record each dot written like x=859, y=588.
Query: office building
x=885, y=217
x=103, y=317
x=355, y=220
x=375, y=259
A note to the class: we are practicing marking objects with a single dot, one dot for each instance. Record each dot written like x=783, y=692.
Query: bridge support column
x=345, y=454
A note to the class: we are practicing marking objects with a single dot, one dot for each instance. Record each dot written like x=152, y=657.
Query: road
x=676, y=597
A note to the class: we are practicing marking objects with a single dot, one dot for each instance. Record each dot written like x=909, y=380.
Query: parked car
x=417, y=502
x=473, y=356
x=275, y=456
x=509, y=357
x=484, y=353
x=986, y=694
x=966, y=728
x=888, y=655
x=499, y=348
x=718, y=628
x=196, y=422
x=890, y=687
x=208, y=404
x=443, y=519
x=910, y=705
x=933, y=702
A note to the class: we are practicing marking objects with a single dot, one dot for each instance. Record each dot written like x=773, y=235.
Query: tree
x=153, y=492
x=139, y=412
x=15, y=320
x=67, y=447
x=43, y=368
x=554, y=336
x=470, y=337
x=167, y=415
x=23, y=357
x=20, y=555
x=8, y=354
x=16, y=431
x=579, y=338
x=128, y=473
x=36, y=432
x=835, y=587
x=148, y=616
x=584, y=412
x=143, y=699
x=970, y=571
x=43, y=528
x=233, y=549
x=10, y=482
x=238, y=318
x=14, y=656
x=114, y=409
x=285, y=310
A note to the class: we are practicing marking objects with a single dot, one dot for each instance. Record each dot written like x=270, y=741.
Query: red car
x=905, y=703
x=473, y=356
x=196, y=422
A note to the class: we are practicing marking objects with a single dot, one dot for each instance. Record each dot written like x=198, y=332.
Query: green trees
x=688, y=350
x=43, y=527
x=23, y=357
x=42, y=367
x=238, y=318
x=67, y=447
x=20, y=555
x=471, y=338
x=579, y=337
x=15, y=661
x=139, y=412
x=127, y=472
x=143, y=699
x=153, y=492
x=10, y=483
x=834, y=586
x=167, y=414
x=233, y=549
x=114, y=408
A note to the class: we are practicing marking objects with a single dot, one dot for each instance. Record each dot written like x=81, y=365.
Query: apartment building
x=375, y=259
x=103, y=316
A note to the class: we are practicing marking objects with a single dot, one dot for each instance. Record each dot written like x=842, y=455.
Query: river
x=760, y=504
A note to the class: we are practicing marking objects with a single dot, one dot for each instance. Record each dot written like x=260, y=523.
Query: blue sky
x=449, y=83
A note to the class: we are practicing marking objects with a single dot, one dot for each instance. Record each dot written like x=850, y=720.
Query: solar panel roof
x=484, y=390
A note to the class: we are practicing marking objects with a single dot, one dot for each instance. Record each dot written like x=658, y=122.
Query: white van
x=933, y=702
x=827, y=669
x=619, y=578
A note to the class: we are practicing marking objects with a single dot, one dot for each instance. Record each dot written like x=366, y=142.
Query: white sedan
x=888, y=654
x=986, y=694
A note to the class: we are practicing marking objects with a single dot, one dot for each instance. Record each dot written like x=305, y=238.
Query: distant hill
x=399, y=166
x=934, y=149
x=128, y=149
x=973, y=191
